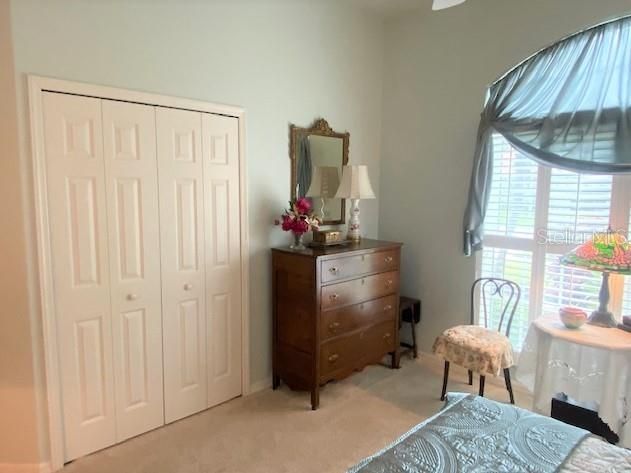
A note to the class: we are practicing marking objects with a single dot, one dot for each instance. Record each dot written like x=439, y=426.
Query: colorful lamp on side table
x=607, y=252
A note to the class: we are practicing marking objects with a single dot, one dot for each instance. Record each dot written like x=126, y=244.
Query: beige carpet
x=275, y=431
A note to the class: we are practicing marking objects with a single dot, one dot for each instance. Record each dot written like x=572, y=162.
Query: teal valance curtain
x=553, y=107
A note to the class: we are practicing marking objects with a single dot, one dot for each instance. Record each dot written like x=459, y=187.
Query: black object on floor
x=410, y=312
x=583, y=415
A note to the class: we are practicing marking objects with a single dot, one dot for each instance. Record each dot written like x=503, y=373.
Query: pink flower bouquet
x=298, y=219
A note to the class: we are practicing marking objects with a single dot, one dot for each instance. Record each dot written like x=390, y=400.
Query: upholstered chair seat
x=478, y=349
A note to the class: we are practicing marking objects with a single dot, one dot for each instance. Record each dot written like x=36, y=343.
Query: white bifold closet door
x=144, y=217
x=102, y=182
x=220, y=144
x=79, y=245
x=198, y=156
x=131, y=176
x=182, y=236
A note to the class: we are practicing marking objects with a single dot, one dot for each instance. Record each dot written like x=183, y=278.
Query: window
x=535, y=215
x=626, y=305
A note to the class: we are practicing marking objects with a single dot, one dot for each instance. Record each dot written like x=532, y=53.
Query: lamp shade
x=608, y=252
x=324, y=182
x=355, y=183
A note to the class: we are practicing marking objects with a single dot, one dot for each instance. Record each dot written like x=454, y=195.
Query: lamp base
x=353, y=225
x=602, y=319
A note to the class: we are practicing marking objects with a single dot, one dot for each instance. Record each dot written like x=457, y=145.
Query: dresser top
x=364, y=244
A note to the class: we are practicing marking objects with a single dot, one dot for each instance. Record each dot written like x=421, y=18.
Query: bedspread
x=473, y=434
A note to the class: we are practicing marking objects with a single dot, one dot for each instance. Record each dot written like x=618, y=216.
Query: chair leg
x=470, y=378
x=445, y=378
x=414, y=347
x=509, y=386
x=482, y=379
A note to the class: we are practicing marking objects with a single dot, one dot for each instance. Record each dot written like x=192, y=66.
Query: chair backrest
x=500, y=294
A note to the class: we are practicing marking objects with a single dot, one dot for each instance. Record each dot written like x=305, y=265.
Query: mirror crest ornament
x=317, y=155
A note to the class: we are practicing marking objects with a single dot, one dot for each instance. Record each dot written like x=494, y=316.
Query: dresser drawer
x=359, y=290
x=340, y=321
x=351, y=266
x=356, y=349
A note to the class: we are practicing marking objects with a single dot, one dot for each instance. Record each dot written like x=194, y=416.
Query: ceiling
x=393, y=8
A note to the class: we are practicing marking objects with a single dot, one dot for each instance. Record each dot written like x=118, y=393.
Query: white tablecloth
x=588, y=364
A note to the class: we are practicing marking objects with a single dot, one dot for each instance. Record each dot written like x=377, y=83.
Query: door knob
x=188, y=287
x=132, y=297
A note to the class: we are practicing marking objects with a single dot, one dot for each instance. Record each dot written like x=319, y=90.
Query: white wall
x=436, y=70
x=18, y=423
x=284, y=61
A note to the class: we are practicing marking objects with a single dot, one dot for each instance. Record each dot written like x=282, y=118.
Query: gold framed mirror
x=317, y=155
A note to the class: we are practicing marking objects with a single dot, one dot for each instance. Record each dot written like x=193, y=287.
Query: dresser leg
x=275, y=381
x=315, y=398
x=396, y=358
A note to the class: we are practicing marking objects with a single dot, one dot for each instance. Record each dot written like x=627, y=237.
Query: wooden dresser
x=335, y=311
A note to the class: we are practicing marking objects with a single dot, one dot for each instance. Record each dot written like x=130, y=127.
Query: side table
x=588, y=364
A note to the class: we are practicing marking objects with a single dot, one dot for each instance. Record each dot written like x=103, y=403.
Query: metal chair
x=507, y=294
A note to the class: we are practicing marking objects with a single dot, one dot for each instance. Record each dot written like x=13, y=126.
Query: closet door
x=223, y=256
x=182, y=236
x=131, y=176
x=78, y=226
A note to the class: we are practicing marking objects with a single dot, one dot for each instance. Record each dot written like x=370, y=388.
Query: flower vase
x=298, y=243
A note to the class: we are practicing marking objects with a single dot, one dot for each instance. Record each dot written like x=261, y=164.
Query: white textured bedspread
x=597, y=456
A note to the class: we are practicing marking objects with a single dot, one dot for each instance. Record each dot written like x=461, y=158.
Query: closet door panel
x=223, y=256
x=78, y=227
x=134, y=241
x=183, y=283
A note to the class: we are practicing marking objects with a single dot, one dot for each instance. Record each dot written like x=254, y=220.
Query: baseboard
x=25, y=467
x=258, y=386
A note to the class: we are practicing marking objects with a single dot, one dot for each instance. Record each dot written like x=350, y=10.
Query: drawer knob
x=188, y=286
x=333, y=358
x=363, y=282
x=333, y=326
x=334, y=270
x=387, y=308
x=132, y=297
x=386, y=336
x=334, y=296
x=389, y=283
x=388, y=259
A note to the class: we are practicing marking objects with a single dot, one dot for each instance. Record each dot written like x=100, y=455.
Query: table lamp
x=607, y=252
x=324, y=184
x=355, y=185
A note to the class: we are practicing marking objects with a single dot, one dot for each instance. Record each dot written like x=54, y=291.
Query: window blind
x=626, y=301
x=512, y=200
x=517, y=266
x=568, y=286
x=579, y=205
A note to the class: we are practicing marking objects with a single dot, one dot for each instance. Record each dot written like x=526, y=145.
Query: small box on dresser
x=335, y=310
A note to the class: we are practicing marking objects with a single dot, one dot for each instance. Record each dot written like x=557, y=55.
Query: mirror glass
x=318, y=154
